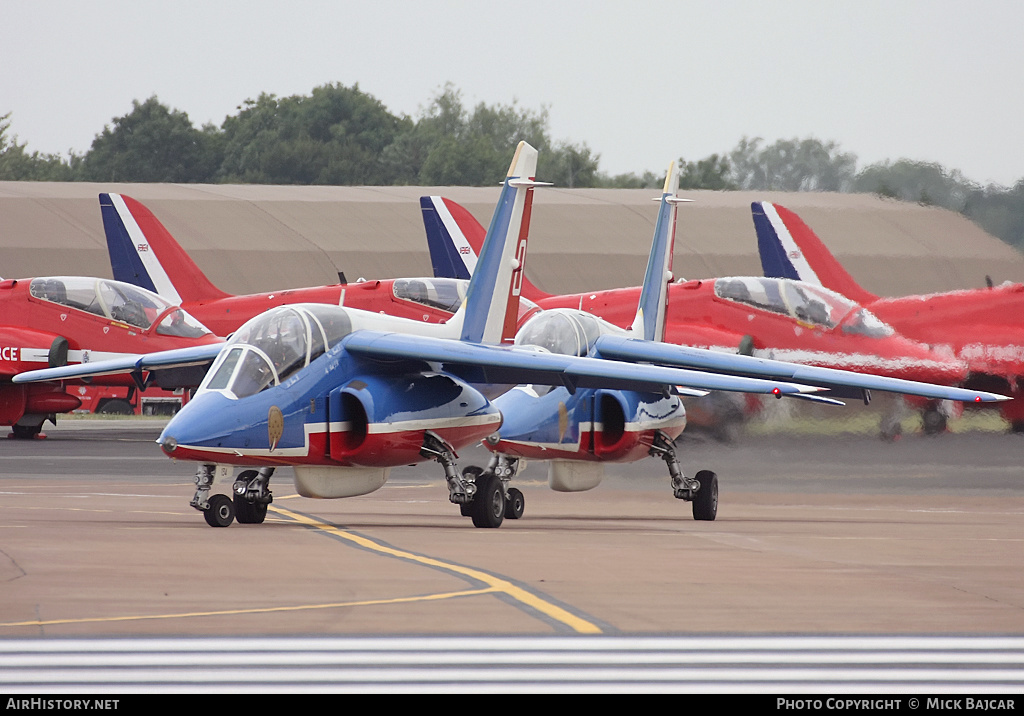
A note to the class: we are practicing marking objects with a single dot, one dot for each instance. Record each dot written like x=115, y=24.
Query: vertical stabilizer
x=455, y=239
x=790, y=249
x=491, y=308
x=452, y=253
x=143, y=253
x=649, y=323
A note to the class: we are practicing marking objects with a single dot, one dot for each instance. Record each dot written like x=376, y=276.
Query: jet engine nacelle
x=625, y=423
x=610, y=435
x=378, y=421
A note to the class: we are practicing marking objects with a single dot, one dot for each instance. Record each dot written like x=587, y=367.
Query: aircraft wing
x=479, y=363
x=177, y=358
x=474, y=362
x=841, y=382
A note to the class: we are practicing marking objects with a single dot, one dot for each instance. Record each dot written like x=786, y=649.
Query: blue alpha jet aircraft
x=576, y=432
x=344, y=395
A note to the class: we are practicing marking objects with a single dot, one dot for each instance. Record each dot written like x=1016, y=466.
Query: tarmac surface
x=841, y=535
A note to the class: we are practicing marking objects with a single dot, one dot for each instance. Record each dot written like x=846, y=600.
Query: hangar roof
x=251, y=238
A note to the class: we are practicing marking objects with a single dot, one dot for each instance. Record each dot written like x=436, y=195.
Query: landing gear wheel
x=25, y=432
x=248, y=513
x=221, y=512
x=934, y=422
x=468, y=472
x=705, y=502
x=488, y=506
x=515, y=503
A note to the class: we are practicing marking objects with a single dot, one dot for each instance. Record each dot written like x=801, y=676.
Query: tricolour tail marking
x=491, y=308
x=452, y=253
x=143, y=253
x=790, y=249
x=649, y=323
x=455, y=239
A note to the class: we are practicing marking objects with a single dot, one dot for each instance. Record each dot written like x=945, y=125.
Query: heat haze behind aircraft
x=982, y=327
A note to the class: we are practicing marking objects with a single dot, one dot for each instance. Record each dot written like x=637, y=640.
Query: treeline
x=341, y=135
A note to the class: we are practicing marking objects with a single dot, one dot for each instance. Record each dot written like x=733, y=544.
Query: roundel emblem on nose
x=275, y=426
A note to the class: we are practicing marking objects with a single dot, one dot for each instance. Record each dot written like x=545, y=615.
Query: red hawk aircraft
x=982, y=327
x=143, y=253
x=59, y=320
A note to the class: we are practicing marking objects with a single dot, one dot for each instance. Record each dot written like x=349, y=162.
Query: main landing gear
x=701, y=490
x=495, y=501
x=483, y=495
x=251, y=495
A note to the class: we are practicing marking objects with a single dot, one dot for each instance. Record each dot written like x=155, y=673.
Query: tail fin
x=143, y=253
x=649, y=323
x=790, y=249
x=455, y=238
x=491, y=308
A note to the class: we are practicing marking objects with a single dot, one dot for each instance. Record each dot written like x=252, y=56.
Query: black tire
x=488, y=506
x=25, y=432
x=705, y=502
x=249, y=513
x=116, y=407
x=515, y=503
x=933, y=422
x=466, y=508
x=221, y=512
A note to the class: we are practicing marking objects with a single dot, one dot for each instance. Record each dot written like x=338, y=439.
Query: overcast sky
x=641, y=83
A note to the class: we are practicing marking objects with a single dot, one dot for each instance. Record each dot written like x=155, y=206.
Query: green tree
x=459, y=147
x=630, y=180
x=999, y=211
x=450, y=145
x=569, y=165
x=336, y=135
x=922, y=182
x=16, y=164
x=712, y=172
x=792, y=165
x=152, y=143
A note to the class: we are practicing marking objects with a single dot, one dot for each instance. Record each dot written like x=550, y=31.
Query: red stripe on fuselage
x=632, y=446
x=378, y=449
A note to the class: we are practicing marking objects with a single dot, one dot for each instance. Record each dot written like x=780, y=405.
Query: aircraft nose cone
x=202, y=419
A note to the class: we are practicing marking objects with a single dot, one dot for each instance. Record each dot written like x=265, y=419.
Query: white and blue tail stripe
x=781, y=256
x=131, y=259
x=649, y=323
x=451, y=254
x=491, y=308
